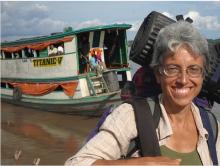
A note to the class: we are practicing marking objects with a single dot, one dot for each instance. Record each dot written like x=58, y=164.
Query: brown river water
x=33, y=137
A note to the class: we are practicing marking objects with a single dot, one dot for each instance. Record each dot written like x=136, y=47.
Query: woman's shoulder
x=124, y=108
x=122, y=112
x=121, y=119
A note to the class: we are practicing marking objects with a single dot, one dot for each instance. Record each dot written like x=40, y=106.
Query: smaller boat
x=55, y=72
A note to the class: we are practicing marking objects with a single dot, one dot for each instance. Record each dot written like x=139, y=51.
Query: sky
x=20, y=19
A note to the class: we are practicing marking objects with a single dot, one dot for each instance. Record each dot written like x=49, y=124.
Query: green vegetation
x=214, y=41
x=67, y=29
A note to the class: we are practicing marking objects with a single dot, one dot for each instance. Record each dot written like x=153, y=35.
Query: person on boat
x=83, y=61
x=180, y=61
x=28, y=52
x=60, y=50
x=16, y=55
x=52, y=50
x=94, y=63
x=84, y=47
x=99, y=59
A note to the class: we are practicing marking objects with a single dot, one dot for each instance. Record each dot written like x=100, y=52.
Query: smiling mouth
x=181, y=92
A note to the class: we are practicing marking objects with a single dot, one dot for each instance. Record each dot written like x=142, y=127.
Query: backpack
x=145, y=82
x=147, y=115
x=211, y=85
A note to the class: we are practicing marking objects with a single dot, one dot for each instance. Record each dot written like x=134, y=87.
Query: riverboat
x=54, y=72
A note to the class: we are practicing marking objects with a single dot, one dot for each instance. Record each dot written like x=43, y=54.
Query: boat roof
x=64, y=34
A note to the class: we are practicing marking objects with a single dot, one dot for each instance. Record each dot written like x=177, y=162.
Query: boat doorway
x=83, y=52
x=115, y=49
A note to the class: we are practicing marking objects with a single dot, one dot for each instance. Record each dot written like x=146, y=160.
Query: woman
x=180, y=62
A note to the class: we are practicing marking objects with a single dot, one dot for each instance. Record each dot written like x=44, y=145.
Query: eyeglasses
x=174, y=70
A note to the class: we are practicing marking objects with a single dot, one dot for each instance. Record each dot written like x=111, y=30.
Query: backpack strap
x=147, y=140
x=214, y=125
x=210, y=124
x=157, y=111
x=105, y=114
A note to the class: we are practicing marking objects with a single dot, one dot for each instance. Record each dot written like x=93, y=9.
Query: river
x=30, y=136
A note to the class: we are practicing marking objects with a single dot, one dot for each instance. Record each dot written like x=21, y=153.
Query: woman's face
x=180, y=90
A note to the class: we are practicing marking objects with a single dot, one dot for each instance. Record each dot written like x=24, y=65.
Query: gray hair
x=171, y=37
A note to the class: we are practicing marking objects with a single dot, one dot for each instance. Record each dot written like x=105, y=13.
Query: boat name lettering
x=53, y=61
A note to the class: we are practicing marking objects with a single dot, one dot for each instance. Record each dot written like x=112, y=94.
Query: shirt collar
x=165, y=129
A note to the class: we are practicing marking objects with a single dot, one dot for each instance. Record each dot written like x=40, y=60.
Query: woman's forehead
x=183, y=55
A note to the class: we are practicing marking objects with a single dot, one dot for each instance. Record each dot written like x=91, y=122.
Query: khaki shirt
x=119, y=128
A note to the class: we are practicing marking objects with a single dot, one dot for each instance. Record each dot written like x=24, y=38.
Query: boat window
x=55, y=49
x=8, y=55
x=37, y=53
x=1, y=54
x=39, y=49
x=3, y=85
x=10, y=86
x=28, y=52
x=96, y=39
x=42, y=53
x=18, y=54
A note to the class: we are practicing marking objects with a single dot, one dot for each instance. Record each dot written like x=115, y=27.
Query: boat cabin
x=64, y=60
x=108, y=43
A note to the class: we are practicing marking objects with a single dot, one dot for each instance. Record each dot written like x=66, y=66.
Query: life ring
x=17, y=94
x=142, y=46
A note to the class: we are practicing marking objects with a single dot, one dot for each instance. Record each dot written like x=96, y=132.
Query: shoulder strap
x=147, y=137
x=210, y=124
x=156, y=109
x=214, y=125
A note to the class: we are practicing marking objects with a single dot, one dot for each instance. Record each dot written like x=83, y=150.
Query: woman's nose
x=183, y=77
